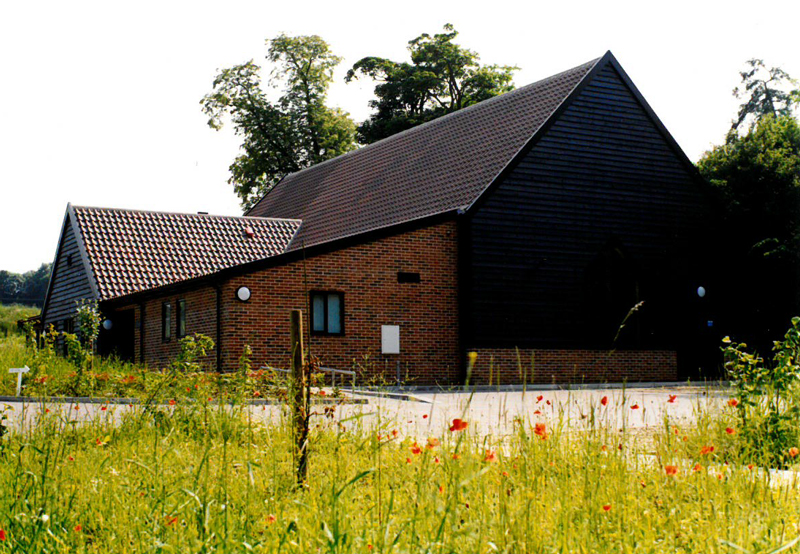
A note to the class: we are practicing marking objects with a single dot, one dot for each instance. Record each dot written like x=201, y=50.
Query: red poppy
x=540, y=430
x=436, y=460
x=730, y=431
x=491, y=456
x=78, y=528
x=504, y=474
x=47, y=410
x=98, y=442
x=706, y=450
x=424, y=416
x=172, y=520
x=103, y=408
x=733, y=402
x=635, y=407
x=547, y=402
x=70, y=458
x=604, y=448
x=537, y=412
x=750, y=467
x=441, y=489
x=672, y=398
x=77, y=407
x=456, y=456
x=369, y=547
x=172, y=402
x=415, y=449
x=539, y=398
x=408, y=460
x=458, y=425
x=793, y=452
x=671, y=470
x=322, y=393
x=606, y=507
x=2, y=535
x=432, y=443
x=271, y=519
x=604, y=401
x=697, y=467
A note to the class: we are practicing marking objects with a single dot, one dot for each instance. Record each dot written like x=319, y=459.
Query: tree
x=765, y=92
x=296, y=131
x=442, y=77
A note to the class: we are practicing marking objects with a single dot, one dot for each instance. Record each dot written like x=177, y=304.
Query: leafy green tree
x=296, y=131
x=441, y=78
x=765, y=92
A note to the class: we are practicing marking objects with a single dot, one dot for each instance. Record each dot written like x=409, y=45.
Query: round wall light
x=107, y=324
x=243, y=294
x=701, y=291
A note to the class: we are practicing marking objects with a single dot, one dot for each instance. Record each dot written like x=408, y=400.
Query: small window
x=181, y=319
x=69, y=325
x=407, y=277
x=327, y=313
x=166, y=321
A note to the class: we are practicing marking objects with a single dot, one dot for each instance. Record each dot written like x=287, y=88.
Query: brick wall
x=573, y=366
x=427, y=312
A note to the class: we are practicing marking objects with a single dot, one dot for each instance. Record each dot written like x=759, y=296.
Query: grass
x=204, y=478
x=11, y=313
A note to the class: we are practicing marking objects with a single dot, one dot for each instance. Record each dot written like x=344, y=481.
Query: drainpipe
x=142, y=319
x=218, y=288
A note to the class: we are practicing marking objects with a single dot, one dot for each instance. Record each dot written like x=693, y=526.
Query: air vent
x=408, y=277
x=249, y=232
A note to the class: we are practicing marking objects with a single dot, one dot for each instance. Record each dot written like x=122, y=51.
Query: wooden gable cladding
x=70, y=280
x=604, y=211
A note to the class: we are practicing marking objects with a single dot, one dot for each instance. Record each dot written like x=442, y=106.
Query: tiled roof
x=437, y=167
x=130, y=251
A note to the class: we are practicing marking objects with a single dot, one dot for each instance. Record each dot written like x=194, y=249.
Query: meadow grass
x=202, y=477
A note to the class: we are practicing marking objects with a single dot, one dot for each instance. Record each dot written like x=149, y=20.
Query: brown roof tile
x=130, y=251
x=437, y=167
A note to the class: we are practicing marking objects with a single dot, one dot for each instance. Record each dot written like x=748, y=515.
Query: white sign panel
x=19, y=371
x=390, y=339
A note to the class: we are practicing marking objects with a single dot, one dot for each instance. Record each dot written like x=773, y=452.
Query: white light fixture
x=107, y=324
x=243, y=294
x=701, y=291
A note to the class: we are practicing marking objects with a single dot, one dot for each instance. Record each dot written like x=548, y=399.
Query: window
x=69, y=325
x=181, y=319
x=327, y=313
x=407, y=277
x=166, y=321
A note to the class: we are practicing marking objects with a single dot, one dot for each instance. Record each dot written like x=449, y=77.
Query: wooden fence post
x=299, y=397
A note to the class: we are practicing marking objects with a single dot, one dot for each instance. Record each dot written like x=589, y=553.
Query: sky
x=101, y=99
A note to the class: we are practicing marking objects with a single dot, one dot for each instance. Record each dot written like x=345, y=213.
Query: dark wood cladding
x=600, y=214
x=69, y=280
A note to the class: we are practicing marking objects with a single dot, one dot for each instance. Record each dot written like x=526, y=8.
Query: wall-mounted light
x=107, y=324
x=243, y=294
x=701, y=291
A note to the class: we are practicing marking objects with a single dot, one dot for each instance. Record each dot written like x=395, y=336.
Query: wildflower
x=188, y=389
x=424, y=416
x=491, y=456
x=47, y=410
x=415, y=449
x=537, y=412
x=436, y=460
x=672, y=398
x=103, y=408
x=456, y=456
x=441, y=489
x=539, y=398
x=547, y=402
x=2, y=535
x=70, y=458
x=78, y=528
x=369, y=547
x=322, y=393
x=697, y=467
x=172, y=402
x=730, y=431
x=733, y=402
x=607, y=507
x=271, y=519
x=172, y=520
x=408, y=460
x=635, y=407
x=458, y=425
x=750, y=467
x=604, y=401
x=671, y=470
x=127, y=380
x=77, y=407
x=433, y=442
x=504, y=474
x=604, y=448
x=793, y=452
x=706, y=450
x=541, y=431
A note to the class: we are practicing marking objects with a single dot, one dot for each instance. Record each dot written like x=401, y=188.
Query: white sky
x=101, y=99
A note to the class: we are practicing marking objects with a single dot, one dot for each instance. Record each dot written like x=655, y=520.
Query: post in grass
x=300, y=397
x=19, y=371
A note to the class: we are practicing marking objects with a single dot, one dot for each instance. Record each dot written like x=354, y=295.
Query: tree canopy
x=26, y=288
x=441, y=77
x=280, y=137
x=765, y=92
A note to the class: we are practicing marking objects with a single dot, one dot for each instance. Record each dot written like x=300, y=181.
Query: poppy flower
x=172, y=520
x=436, y=460
x=671, y=470
x=672, y=398
x=635, y=407
x=271, y=519
x=415, y=449
x=697, y=467
x=604, y=401
x=103, y=408
x=395, y=432
x=78, y=528
x=458, y=425
x=322, y=393
x=456, y=456
x=750, y=467
x=547, y=402
x=539, y=398
x=433, y=442
x=369, y=547
x=424, y=416
x=491, y=456
x=607, y=507
x=172, y=402
x=733, y=402
x=47, y=410
x=441, y=489
x=2, y=535
x=77, y=408
x=408, y=460
x=504, y=474
x=70, y=458
x=730, y=431
x=540, y=430
x=793, y=452
x=604, y=448
x=537, y=412
x=706, y=450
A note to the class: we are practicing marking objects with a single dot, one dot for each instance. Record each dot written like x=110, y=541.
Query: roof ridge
x=436, y=121
x=243, y=217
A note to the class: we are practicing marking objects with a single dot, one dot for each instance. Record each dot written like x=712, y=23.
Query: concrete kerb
x=96, y=400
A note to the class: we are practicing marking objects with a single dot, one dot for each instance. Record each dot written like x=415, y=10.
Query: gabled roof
x=129, y=251
x=443, y=165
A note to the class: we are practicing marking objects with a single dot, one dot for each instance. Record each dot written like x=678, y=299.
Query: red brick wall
x=427, y=312
x=573, y=366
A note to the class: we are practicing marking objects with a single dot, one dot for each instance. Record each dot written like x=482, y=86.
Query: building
x=524, y=228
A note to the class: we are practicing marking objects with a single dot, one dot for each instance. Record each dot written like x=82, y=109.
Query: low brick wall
x=507, y=366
